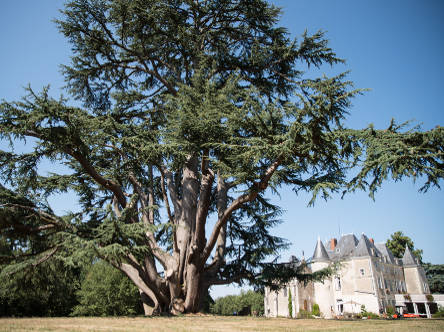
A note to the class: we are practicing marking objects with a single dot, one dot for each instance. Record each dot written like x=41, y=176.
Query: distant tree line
x=55, y=289
x=247, y=303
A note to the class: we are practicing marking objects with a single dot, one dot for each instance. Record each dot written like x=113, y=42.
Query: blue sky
x=395, y=48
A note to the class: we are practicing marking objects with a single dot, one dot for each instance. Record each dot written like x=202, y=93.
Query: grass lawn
x=214, y=323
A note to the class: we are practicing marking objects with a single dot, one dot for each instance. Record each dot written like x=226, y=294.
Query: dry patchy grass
x=213, y=323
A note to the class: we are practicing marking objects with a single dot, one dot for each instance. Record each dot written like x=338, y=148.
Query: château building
x=368, y=274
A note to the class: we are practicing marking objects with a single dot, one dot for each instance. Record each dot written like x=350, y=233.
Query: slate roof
x=348, y=246
x=320, y=254
x=386, y=252
x=344, y=247
x=408, y=258
x=364, y=247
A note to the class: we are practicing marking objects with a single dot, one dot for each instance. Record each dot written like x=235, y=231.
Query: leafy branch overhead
x=191, y=111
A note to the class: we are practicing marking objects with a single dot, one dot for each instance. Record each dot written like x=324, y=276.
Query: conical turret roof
x=408, y=258
x=320, y=254
x=364, y=248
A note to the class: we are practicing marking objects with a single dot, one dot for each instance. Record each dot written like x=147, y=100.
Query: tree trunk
x=193, y=287
x=147, y=303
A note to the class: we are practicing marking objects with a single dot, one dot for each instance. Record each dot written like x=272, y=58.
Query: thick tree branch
x=236, y=204
x=221, y=204
x=172, y=191
x=202, y=211
x=88, y=168
x=167, y=207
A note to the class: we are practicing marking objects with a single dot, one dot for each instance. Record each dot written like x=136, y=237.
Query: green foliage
x=439, y=313
x=305, y=314
x=372, y=315
x=246, y=303
x=435, y=277
x=48, y=289
x=276, y=275
x=390, y=310
x=363, y=310
x=290, y=304
x=397, y=245
x=316, y=311
x=365, y=313
x=107, y=292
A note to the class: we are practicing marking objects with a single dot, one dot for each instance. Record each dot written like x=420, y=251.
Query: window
x=285, y=291
x=338, y=283
x=362, y=272
x=340, y=308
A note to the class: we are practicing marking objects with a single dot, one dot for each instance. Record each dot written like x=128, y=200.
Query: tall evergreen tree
x=191, y=110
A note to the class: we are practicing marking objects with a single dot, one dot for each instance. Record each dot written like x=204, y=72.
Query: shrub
x=290, y=305
x=107, y=292
x=363, y=310
x=365, y=313
x=429, y=297
x=372, y=315
x=315, y=311
x=390, y=310
x=304, y=314
x=439, y=313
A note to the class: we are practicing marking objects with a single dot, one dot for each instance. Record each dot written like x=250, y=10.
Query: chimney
x=372, y=241
x=333, y=243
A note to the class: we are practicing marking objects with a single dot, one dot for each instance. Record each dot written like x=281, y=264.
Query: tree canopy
x=398, y=242
x=191, y=111
x=435, y=277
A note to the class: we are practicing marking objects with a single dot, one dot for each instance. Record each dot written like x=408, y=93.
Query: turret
x=415, y=278
x=408, y=258
x=322, y=290
x=320, y=254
